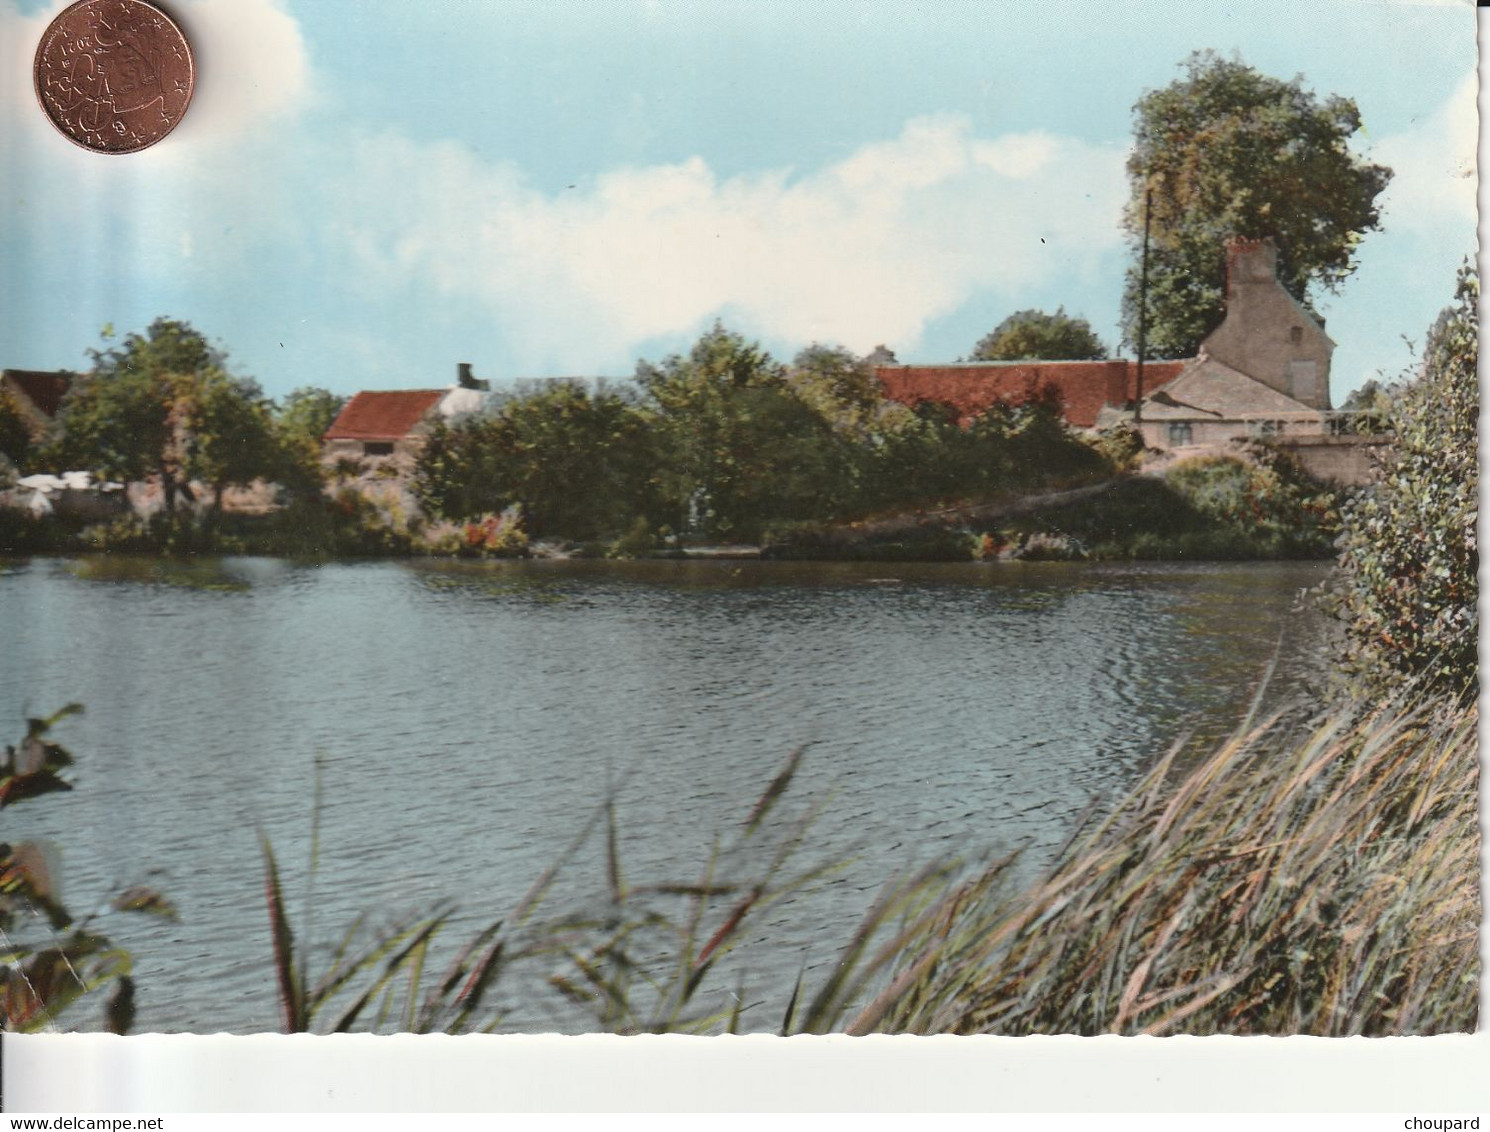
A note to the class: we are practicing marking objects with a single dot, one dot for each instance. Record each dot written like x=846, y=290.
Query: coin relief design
x=115, y=76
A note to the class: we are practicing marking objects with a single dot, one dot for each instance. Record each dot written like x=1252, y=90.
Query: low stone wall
x=1350, y=461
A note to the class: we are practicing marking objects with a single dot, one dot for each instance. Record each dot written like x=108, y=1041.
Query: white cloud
x=1434, y=181
x=867, y=250
x=252, y=68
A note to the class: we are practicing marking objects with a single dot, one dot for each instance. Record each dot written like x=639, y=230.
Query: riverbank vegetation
x=722, y=445
x=1252, y=506
x=1410, y=556
x=812, y=461
x=727, y=444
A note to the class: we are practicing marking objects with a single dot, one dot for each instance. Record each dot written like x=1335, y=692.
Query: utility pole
x=1143, y=306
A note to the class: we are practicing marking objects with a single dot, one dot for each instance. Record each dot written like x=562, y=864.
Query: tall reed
x=1315, y=878
x=641, y=958
x=1319, y=879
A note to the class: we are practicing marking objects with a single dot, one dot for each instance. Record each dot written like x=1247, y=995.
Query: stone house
x=387, y=428
x=1208, y=403
x=1263, y=374
x=1267, y=334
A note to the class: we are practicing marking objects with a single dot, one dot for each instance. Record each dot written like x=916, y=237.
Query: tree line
x=162, y=404
x=722, y=441
x=725, y=441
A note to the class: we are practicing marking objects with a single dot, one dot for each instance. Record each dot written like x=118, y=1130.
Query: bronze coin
x=114, y=76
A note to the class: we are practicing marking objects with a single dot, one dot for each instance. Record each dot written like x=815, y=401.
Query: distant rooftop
x=383, y=414
x=1084, y=387
x=43, y=388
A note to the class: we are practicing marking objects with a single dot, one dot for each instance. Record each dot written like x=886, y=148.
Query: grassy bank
x=1206, y=508
x=1246, y=507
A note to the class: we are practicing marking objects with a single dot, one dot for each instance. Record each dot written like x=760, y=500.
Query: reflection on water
x=196, y=574
x=469, y=715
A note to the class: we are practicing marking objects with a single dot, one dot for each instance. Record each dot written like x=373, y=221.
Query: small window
x=377, y=448
x=1179, y=434
x=1264, y=429
x=1296, y=335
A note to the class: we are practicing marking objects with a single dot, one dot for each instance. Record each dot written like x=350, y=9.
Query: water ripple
x=467, y=717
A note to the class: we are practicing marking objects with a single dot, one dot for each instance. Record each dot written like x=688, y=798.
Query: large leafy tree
x=1036, y=335
x=1228, y=151
x=739, y=443
x=307, y=413
x=163, y=404
x=839, y=386
x=230, y=430
x=578, y=461
x=1409, y=563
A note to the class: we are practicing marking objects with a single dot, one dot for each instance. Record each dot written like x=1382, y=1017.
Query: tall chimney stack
x=1250, y=261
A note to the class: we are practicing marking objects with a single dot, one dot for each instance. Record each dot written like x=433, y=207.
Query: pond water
x=467, y=718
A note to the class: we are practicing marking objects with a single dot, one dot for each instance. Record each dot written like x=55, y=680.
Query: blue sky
x=367, y=191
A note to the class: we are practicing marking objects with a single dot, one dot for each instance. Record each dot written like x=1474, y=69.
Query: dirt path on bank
x=973, y=514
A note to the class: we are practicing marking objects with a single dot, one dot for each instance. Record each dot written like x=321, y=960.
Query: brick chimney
x=1250, y=261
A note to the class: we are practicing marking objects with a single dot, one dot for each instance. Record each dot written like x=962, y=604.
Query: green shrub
x=639, y=540
x=160, y=533
x=1265, y=498
x=128, y=534
x=1407, y=589
x=1206, y=508
x=23, y=533
x=1139, y=516
x=1121, y=447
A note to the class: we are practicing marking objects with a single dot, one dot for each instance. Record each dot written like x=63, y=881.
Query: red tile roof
x=383, y=414
x=971, y=387
x=43, y=388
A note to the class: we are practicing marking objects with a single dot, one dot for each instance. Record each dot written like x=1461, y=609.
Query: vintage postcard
x=693, y=517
